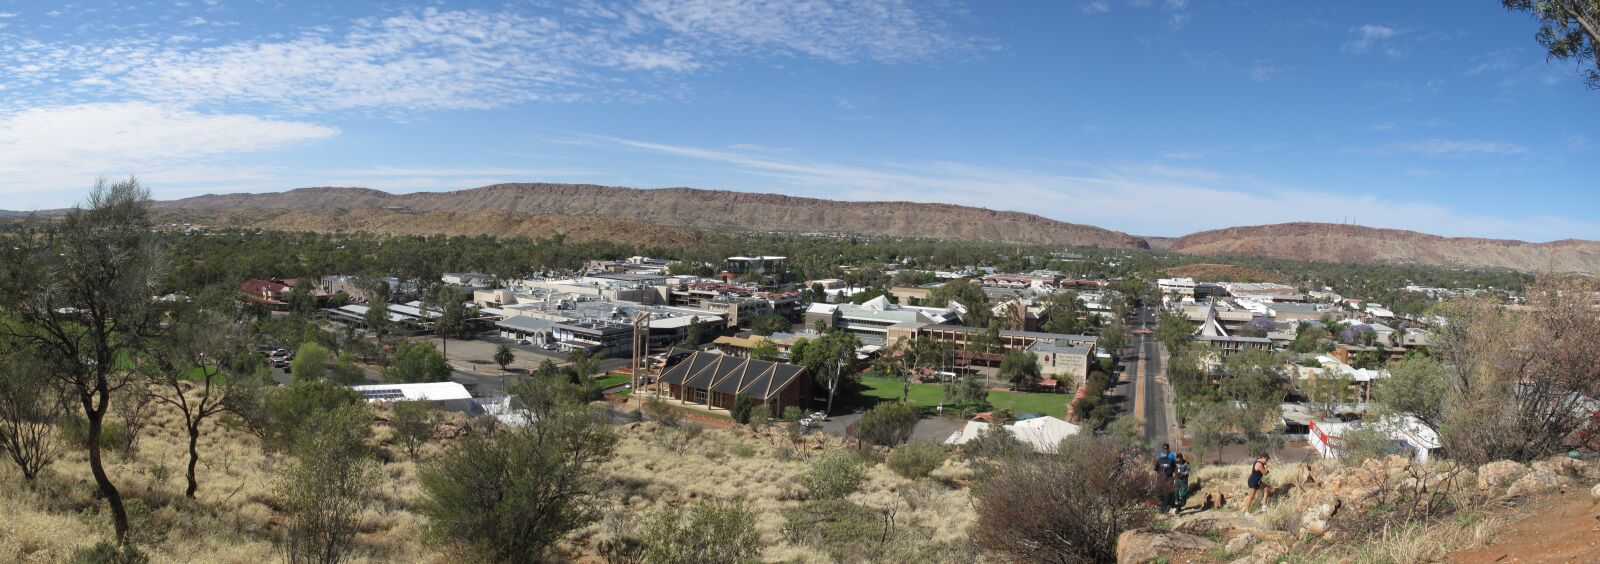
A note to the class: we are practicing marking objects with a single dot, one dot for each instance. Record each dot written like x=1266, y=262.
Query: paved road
x=1153, y=402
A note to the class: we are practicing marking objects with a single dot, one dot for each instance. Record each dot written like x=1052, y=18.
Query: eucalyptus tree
x=82, y=296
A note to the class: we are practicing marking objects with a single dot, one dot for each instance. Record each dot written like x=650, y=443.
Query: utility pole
x=641, y=348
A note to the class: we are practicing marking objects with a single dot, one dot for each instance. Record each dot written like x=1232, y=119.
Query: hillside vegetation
x=1352, y=243
x=696, y=209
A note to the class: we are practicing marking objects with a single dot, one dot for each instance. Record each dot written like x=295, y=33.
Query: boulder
x=1499, y=474
x=1560, y=465
x=1241, y=543
x=1212, y=523
x=1540, y=480
x=1595, y=491
x=1148, y=545
x=1314, y=519
x=1265, y=553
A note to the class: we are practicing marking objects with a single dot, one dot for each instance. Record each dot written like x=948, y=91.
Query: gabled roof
x=732, y=375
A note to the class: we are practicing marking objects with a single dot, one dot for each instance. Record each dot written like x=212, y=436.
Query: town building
x=717, y=380
x=754, y=267
x=870, y=321
x=1065, y=363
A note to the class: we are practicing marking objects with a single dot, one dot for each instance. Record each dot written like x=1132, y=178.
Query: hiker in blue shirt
x=1166, y=466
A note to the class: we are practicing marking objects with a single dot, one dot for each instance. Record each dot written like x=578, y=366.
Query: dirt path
x=1561, y=529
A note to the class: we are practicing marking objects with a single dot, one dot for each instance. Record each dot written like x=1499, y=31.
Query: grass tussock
x=233, y=517
x=655, y=469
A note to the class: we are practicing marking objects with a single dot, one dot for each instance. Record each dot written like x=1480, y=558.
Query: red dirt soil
x=1559, y=529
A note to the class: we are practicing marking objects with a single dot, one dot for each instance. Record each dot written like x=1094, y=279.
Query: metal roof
x=733, y=375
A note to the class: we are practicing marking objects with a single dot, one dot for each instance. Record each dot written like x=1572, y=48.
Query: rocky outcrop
x=1148, y=545
x=1500, y=474
x=1352, y=243
x=689, y=208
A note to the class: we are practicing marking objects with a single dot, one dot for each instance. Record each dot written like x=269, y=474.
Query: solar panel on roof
x=385, y=394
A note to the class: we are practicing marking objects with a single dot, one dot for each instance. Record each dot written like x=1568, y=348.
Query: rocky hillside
x=1350, y=243
x=401, y=222
x=688, y=208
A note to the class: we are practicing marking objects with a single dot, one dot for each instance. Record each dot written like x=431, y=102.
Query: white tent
x=1043, y=434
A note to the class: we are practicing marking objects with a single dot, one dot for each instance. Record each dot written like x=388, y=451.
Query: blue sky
x=1156, y=117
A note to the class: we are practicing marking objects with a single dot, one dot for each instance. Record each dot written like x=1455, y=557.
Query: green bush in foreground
x=916, y=459
x=834, y=476
x=710, y=532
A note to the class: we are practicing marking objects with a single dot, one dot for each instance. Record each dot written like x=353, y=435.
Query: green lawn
x=604, y=382
x=930, y=395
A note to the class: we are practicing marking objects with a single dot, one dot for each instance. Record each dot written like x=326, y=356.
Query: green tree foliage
x=1418, y=385
x=966, y=393
x=830, y=359
x=834, y=476
x=712, y=532
x=1021, y=369
x=1174, y=331
x=416, y=361
x=377, y=317
x=345, y=372
x=185, y=378
x=916, y=459
x=286, y=410
x=992, y=445
x=79, y=294
x=1311, y=339
x=447, y=304
x=769, y=323
x=764, y=350
x=967, y=293
x=869, y=294
x=310, y=362
x=504, y=356
x=1063, y=313
x=414, y=422
x=1328, y=391
x=1114, y=338
x=1568, y=30
x=887, y=424
x=30, y=406
x=742, y=407
x=694, y=334
x=507, y=497
x=333, y=479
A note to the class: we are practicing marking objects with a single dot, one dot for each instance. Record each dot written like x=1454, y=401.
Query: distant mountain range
x=1350, y=243
x=689, y=208
x=672, y=216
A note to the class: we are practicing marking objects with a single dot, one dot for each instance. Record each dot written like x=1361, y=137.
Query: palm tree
x=504, y=356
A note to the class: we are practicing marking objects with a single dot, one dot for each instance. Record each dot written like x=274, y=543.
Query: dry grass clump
x=657, y=467
x=233, y=518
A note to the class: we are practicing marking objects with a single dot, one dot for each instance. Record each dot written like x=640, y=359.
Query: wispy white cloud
x=1262, y=71
x=1097, y=7
x=1135, y=197
x=1453, y=148
x=437, y=59
x=1371, y=37
x=43, y=148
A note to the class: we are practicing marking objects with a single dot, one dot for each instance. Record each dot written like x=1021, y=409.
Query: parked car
x=549, y=346
x=524, y=342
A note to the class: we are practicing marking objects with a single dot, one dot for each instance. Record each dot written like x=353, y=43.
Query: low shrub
x=742, y=406
x=712, y=532
x=916, y=459
x=834, y=476
x=107, y=552
x=887, y=424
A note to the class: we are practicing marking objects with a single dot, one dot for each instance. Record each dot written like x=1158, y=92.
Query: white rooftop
x=430, y=391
